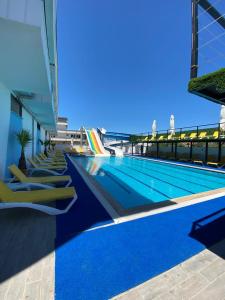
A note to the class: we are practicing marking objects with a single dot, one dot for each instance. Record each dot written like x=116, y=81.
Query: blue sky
x=124, y=63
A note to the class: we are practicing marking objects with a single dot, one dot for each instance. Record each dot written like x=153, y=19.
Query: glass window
x=16, y=106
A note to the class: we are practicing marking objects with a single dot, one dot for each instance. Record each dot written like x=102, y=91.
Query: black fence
x=209, y=131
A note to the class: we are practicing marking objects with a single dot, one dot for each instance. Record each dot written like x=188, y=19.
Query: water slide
x=95, y=143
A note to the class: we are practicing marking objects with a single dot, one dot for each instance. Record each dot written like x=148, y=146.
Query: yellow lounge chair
x=50, y=163
x=41, y=167
x=54, y=158
x=183, y=136
x=19, y=175
x=161, y=138
x=170, y=136
x=202, y=135
x=216, y=134
x=51, y=160
x=193, y=135
x=37, y=199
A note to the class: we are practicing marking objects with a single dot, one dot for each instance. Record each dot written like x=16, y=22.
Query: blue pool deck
x=85, y=255
x=106, y=261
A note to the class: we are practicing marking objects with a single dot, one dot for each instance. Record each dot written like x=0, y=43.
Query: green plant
x=53, y=146
x=46, y=143
x=24, y=138
x=215, y=79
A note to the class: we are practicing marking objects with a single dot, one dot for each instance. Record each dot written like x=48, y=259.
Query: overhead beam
x=213, y=12
x=194, y=42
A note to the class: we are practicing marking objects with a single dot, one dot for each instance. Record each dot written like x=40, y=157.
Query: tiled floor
x=27, y=264
x=27, y=258
x=201, y=277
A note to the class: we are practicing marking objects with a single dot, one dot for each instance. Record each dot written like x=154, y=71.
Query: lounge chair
x=37, y=199
x=184, y=158
x=49, y=163
x=202, y=135
x=53, y=159
x=193, y=135
x=19, y=175
x=161, y=138
x=39, y=167
x=212, y=162
x=215, y=134
x=198, y=161
x=183, y=136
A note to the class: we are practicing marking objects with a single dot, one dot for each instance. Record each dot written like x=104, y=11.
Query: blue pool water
x=134, y=182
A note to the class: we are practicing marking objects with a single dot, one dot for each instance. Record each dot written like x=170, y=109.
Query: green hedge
x=216, y=79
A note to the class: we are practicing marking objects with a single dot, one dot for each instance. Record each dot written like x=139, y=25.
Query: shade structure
x=222, y=118
x=154, y=128
x=172, y=125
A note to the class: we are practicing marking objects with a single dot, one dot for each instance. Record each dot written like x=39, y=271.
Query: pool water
x=134, y=182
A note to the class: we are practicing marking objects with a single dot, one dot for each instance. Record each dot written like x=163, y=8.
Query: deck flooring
x=27, y=258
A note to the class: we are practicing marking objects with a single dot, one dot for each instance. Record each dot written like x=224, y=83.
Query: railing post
x=219, y=151
x=132, y=151
x=197, y=132
x=191, y=150
x=175, y=155
x=219, y=130
x=206, y=151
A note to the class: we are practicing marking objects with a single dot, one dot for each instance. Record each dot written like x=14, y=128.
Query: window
x=38, y=126
x=16, y=106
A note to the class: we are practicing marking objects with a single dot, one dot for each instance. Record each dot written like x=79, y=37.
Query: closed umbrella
x=222, y=118
x=154, y=128
x=172, y=125
x=71, y=141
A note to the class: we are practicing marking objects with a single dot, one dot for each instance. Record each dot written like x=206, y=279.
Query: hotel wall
x=5, y=104
x=28, y=125
x=11, y=123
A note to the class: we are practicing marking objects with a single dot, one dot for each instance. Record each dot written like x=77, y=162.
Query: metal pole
x=132, y=149
x=206, y=151
x=175, y=150
x=194, y=42
x=219, y=151
x=191, y=151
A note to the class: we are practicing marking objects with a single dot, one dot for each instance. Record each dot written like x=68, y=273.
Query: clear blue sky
x=123, y=63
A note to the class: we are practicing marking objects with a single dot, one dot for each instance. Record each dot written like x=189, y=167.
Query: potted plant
x=53, y=146
x=46, y=143
x=24, y=138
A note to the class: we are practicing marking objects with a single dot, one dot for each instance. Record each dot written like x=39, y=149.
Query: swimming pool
x=134, y=182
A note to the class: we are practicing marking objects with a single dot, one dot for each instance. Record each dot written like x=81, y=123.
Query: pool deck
x=201, y=277
x=27, y=258
x=31, y=276
x=27, y=261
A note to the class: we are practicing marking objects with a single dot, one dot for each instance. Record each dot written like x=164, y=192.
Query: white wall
x=5, y=104
x=24, y=11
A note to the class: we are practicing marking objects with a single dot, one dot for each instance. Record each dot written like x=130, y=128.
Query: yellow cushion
x=7, y=195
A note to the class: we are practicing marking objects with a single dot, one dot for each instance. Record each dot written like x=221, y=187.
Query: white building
x=28, y=75
x=65, y=136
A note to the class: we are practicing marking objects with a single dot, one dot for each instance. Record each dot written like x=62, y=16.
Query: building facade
x=28, y=76
x=66, y=137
